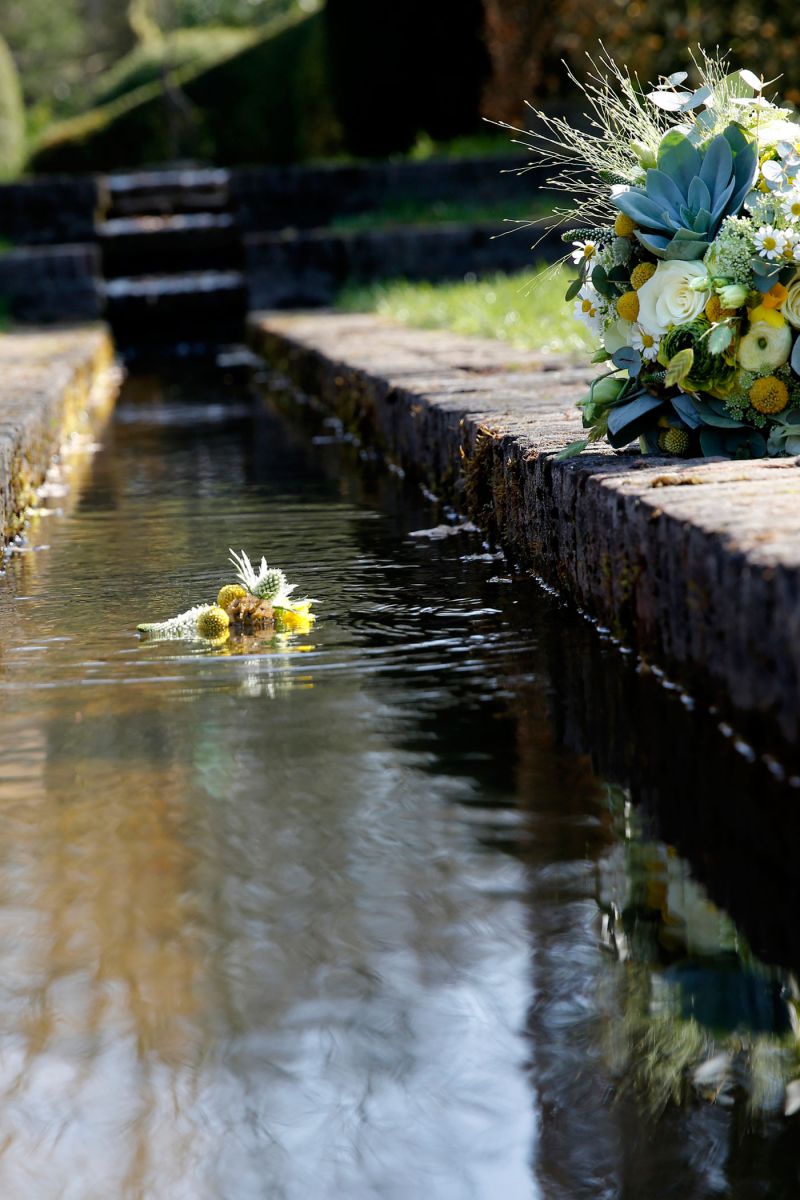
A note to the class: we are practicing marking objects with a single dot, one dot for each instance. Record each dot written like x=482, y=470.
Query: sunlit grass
x=526, y=310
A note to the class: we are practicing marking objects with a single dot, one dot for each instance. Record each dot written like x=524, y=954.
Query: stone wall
x=51, y=283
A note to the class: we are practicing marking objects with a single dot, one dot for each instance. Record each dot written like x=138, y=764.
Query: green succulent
x=689, y=194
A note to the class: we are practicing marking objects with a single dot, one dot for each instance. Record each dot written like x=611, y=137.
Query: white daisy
x=587, y=308
x=770, y=242
x=645, y=343
x=583, y=251
x=790, y=205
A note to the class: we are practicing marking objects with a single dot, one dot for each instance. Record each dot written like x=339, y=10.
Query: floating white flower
x=182, y=626
x=268, y=583
x=584, y=250
x=770, y=242
x=645, y=343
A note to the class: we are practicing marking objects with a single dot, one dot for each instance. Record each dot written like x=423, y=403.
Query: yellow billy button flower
x=231, y=592
x=628, y=306
x=641, y=274
x=624, y=226
x=673, y=441
x=213, y=623
x=715, y=312
x=769, y=395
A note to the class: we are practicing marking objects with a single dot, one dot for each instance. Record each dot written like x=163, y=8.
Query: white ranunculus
x=617, y=335
x=765, y=347
x=791, y=305
x=668, y=298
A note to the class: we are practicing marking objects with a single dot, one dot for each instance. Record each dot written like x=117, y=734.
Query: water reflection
x=352, y=915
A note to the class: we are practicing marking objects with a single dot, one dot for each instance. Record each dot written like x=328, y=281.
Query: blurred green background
x=96, y=84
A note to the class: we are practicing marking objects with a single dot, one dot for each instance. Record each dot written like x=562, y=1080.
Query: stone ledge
x=49, y=382
x=693, y=564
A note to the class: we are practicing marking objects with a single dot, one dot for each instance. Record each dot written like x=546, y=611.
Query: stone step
x=175, y=243
x=175, y=190
x=192, y=307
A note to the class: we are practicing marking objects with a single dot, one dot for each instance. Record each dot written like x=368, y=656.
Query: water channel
x=446, y=900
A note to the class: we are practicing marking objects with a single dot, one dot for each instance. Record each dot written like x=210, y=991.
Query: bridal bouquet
x=685, y=227
x=259, y=603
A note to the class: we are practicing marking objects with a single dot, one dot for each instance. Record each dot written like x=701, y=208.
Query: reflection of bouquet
x=685, y=224
x=260, y=604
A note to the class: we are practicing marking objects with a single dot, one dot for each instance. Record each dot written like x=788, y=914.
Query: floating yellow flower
x=213, y=622
x=231, y=592
x=769, y=395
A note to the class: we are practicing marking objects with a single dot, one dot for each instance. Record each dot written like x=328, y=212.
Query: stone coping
x=693, y=564
x=51, y=381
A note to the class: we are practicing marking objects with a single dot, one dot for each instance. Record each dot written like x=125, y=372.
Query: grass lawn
x=417, y=212
x=527, y=310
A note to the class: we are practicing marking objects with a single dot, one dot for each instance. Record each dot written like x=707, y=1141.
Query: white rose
x=791, y=305
x=668, y=298
x=763, y=347
x=617, y=335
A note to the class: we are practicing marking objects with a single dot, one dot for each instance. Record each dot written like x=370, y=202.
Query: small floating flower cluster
x=259, y=603
x=686, y=234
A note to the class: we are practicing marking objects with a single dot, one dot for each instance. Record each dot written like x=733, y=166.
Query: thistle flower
x=268, y=583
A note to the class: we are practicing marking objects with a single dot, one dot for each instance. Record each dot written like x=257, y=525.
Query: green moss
x=526, y=310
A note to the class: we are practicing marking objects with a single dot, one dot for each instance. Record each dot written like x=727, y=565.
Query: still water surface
x=352, y=915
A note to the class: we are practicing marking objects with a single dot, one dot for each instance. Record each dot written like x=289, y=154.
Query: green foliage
x=525, y=310
x=12, y=117
x=398, y=68
x=185, y=48
x=434, y=212
x=267, y=103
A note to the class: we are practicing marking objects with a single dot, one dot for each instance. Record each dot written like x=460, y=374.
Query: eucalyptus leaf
x=627, y=359
x=697, y=98
x=667, y=101
x=574, y=288
x=751, y=80
x=677, y=77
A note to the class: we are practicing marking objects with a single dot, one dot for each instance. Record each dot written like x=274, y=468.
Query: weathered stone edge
x=720, y=620
x=49, y=383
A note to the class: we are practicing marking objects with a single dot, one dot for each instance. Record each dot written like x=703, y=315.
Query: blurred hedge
x=267, y=103
x=404, y=67
x=359, y=76
x=12, y=116
x=528, y=38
